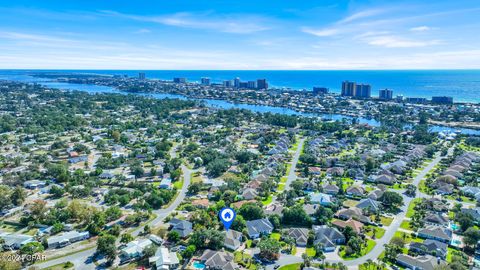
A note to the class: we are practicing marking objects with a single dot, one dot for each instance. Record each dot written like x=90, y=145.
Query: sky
x=246, y=35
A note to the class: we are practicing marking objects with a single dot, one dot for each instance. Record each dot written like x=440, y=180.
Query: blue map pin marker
x=227, y=216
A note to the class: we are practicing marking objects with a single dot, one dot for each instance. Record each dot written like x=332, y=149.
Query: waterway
x=94, y=89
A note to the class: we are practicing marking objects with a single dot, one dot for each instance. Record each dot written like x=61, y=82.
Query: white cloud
x=420, y=28
x=362, y=15
x=391, y=41
x=236, y=24
x=326, y=32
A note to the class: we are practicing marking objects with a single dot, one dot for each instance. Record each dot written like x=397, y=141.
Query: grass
x=310, y=252
x=268, y=200
x=275, y=236
x=410, y=210
x=406, y=225
x=378, y=232
x=60, y=266
x=407, y=237
x=364, y=251
x=244, y=260
x=248, y=243
x=295, y=266
x=281, y=187
x=178, y=184
x=450, y=253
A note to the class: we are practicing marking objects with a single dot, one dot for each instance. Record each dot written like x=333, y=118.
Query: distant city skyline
x=240, y=35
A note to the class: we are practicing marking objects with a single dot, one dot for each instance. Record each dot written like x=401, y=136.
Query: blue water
x=463, y=85
x=198, y=265
x=21, y=76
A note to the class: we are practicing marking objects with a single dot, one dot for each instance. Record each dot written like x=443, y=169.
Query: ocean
x=462, y=85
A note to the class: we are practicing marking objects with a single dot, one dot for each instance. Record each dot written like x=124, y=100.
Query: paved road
x=291, y=175
x=81, y=259
x=389, y=231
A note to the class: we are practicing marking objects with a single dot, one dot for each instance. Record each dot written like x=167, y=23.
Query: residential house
x=66, y=238
x=331, y=189
x=355, y=225
x=259, y=227
x=218, y=260
x=249, y=194
x=233, y=239
x=327, y=236
x=426, y=262
x=15, y=241
x=134, y=249
x=300, y=235
x=369, y=205
x=431, y=247
x=436, y=233
x=182, y=227
x=320, y=198
x=164, y=259
x=355, y=191
x=352, y=212
x=34, y=184
x=436, y=219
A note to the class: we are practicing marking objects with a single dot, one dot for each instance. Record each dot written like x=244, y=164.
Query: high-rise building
x=205, y=81
x=227, y=83
x=363, y=91
x=262, y=84
x=348, y=89
x=141, y=75
x=442, y=100
x=320, y=90
x=243, y=85
x=179, y=80
x=385, y=94
x=251, y=84
x=236, y=82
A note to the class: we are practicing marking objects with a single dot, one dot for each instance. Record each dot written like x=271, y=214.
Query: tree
x=106, y=246
x=370, y=164
x=189, y=251
x=18, y=195
x=194, y=188
x=269, y=248
x=173, y=236
x=471, y=236
x=323, y=215
x=296, y=215
x=126, y=238
x=391, y=200
x=32, y=248
x=150, y=251
x=207, y=238
x=251, y=211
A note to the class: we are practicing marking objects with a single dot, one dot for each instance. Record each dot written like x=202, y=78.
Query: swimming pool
x=198, y=265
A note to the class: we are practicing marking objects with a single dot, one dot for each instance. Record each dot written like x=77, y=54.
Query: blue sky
x=240, y=34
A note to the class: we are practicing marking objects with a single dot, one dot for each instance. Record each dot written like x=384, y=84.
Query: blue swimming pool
x=198, y=265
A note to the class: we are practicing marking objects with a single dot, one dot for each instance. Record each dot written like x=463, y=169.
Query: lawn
x=281, y=187
x=295, y=266
x=268, y=200
x=275, y=236
x=379, y=232
x=406, y=225
x=364, y=251
x=60, y=266
x=244, y=260
x=450, y=253
x=407, y=237
x=410, y=210
x=310, y=252
x=386, y=221
x=178, y=184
